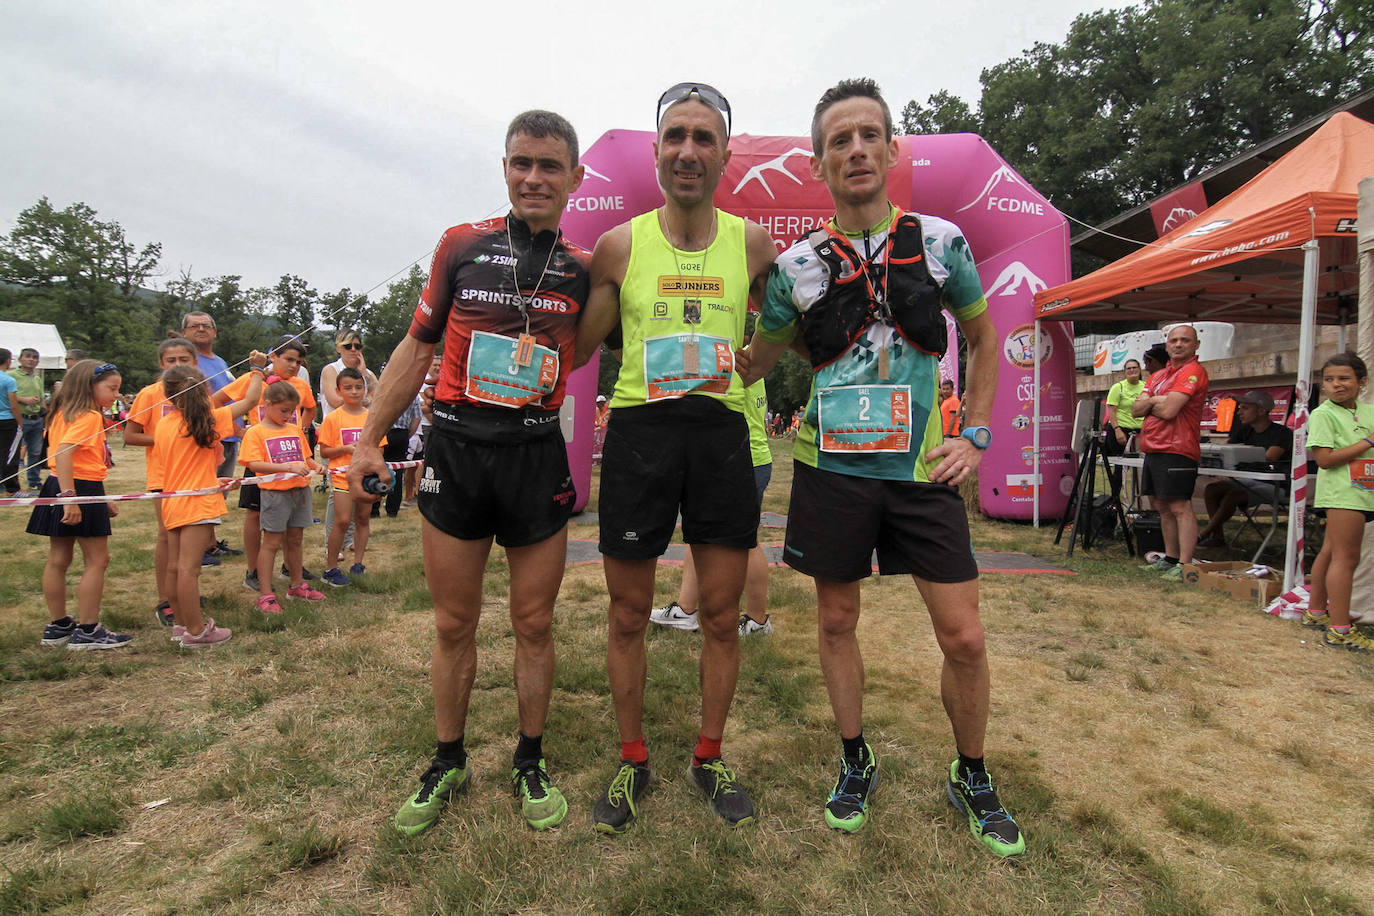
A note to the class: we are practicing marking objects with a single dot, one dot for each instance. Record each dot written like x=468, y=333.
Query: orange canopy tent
x=1280, y=249
x=1242, y=259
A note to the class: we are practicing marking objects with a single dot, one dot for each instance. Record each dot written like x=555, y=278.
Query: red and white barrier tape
x=10, y=501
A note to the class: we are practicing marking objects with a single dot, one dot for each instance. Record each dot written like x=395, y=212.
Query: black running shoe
x=223, y=548
x=847, y=808
x=988, y=821
x=615, y=810
x=728, y=798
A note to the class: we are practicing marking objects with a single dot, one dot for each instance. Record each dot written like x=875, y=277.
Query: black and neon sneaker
x=540, y=801
x=1315, y=620
x=727, y=796
x=441, y=781
x=617, y=808
x=1352, y=640
x=847, y=808
x=988, y=821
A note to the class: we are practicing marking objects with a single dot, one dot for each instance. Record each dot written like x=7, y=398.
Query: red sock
x=706, y=749
x=636, y=751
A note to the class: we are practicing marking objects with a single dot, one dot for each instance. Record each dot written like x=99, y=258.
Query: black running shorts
x=836, y=521
x=489, y=478
x=1167, y=476
x=689, y=455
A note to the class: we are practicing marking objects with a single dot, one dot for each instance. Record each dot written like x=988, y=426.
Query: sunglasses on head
x=704, y=93
x=106, y=369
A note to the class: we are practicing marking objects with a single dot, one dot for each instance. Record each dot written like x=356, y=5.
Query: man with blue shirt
x=863, y=297
x=10, y=413
x=29, y=379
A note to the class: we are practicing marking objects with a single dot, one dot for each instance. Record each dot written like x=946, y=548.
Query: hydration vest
x=834, y=322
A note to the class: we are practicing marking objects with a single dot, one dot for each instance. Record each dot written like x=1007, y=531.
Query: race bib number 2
x=509, y=373
x=680, y=364
x=864, y=419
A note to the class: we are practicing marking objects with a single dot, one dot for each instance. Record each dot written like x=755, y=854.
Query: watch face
x=980, y=436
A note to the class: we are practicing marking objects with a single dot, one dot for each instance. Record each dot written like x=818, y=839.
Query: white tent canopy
x=16, y=335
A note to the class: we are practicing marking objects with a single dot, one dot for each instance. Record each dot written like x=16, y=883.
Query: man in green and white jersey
x=863, y=297
x=677, y=282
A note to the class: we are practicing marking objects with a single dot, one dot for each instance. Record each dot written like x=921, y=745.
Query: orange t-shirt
x=949, y=414
x=339, y=429
x=149, y=407
x=187, y=466
x=86, y=434
x=282, y=445
x=239, y=387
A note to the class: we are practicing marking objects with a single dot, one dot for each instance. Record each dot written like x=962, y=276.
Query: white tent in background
x=16, y=335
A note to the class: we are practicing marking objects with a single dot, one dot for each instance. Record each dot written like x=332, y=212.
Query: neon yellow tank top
x=682, y=316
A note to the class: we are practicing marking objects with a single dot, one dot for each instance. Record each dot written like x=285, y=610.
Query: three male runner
x=505, y=295
x=864, y=294
x=677, y=281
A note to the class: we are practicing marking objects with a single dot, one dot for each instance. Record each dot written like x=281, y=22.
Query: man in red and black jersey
x=504, y=296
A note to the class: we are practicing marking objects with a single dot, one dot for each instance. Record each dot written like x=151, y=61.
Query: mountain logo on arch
x=1006, y=192
x=1013, y=278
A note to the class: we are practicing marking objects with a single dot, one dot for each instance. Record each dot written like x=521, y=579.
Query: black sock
x=64, y=622
x=529, y=750
x=1172, y=561
x=855, y=749
x=86, y=627
x=969, y=766
x=452, y=752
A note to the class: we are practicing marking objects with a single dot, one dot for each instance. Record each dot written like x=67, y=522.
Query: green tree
x=385, y=322
x=1138, y=100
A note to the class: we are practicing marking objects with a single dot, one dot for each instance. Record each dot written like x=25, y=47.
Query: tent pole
x=1035, y=428
x=1297, y=498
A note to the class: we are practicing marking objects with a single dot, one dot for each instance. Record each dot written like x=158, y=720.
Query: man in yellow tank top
x=677, y=282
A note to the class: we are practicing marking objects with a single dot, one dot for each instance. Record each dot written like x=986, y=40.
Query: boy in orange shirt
x=276, y=445
x=338, y=434
x=286, y=358
x=150, y=406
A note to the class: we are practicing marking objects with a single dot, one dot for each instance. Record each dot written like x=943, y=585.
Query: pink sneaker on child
x=305, y=591
x=268, y=604
x=208, y=636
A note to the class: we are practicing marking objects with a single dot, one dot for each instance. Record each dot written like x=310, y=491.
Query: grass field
x=1167, y=752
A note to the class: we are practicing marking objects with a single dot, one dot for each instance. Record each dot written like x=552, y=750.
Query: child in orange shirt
x=338, y=434
x=275, y=445
x=286, y=356
x=78, y=459
x=150, y=406
x=186, y=451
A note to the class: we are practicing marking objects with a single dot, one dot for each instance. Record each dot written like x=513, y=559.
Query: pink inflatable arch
x=1019, y=241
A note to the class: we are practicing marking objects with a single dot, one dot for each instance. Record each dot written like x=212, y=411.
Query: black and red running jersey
x=471, y=302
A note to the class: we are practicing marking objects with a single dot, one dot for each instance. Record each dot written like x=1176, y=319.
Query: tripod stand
x=1082, y=498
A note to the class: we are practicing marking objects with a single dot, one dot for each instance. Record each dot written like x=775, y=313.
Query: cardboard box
x=1235, y=579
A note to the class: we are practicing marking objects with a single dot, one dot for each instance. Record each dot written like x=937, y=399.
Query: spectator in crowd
x=29, y=384
x=1225, y=495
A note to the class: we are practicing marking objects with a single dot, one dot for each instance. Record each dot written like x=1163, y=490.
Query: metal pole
x=1035, y=428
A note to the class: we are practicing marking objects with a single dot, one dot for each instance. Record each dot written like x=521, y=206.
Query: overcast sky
x=336, y=140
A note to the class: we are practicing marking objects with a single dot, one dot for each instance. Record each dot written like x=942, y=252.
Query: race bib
x=499, y=373
x=679, y=364
x=864, y=419
x=283, y=449
x=1362, y=473
x=350, y=436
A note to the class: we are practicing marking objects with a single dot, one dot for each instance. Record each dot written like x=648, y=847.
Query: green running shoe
x=1156, y=565
x=988, y=821
x=1173, y=573
x=1315, y=621
x=728, y=798
x=541, y=803
x=440, y=782
x=847, y=808
x=616, y=810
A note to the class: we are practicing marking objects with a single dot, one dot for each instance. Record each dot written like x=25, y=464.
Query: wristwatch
x=980, y=436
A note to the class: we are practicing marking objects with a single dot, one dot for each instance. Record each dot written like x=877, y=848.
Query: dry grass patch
x=1168, y=751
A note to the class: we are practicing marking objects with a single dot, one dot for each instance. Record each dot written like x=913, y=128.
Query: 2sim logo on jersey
x=504, y=260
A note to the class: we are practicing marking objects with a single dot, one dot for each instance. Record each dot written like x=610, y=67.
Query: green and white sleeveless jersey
x=856, y=422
